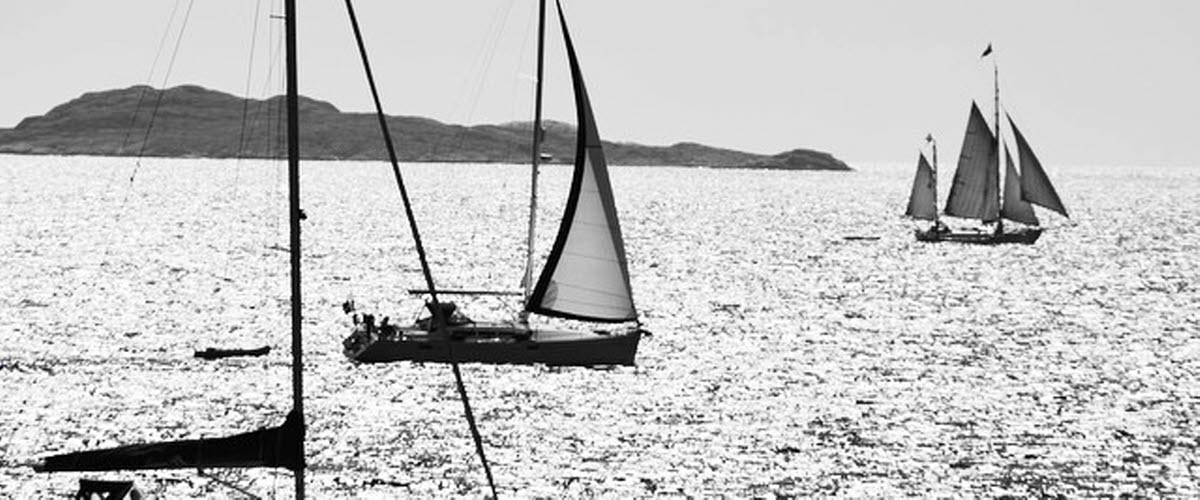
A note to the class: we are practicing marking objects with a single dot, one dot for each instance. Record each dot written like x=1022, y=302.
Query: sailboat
x=585, y=276
x=976, y=192
x=281, y=446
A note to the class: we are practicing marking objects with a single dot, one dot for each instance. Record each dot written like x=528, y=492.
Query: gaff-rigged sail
x=271, y=447
x=974, y=193
x=1015, y=208
x=921, y=203
x=586, y=276
x=1035, y=185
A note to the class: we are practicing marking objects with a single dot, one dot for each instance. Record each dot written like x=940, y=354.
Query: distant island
x=195, y=122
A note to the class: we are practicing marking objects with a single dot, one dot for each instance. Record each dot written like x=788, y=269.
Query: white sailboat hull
x=495, y=343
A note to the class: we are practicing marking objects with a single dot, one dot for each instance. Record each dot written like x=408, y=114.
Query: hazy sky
x=1088, y=81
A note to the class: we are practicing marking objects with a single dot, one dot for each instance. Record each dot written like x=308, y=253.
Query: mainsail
x=974, y=193
x=1015, y=208
x=921, y=203
x=1035, y=185
x=586, y=276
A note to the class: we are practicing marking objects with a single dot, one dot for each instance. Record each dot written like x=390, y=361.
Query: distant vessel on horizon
x=975, y=192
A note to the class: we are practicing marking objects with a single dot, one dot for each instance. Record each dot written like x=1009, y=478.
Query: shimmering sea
x=785, y=361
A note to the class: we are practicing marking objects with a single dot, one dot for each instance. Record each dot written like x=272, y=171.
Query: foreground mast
x=293, y=148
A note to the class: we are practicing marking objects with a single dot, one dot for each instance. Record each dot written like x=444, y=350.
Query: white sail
x=1015, y=208
x=586, y=275
x=921, y=203
x=1035, y=185
x=975, y=191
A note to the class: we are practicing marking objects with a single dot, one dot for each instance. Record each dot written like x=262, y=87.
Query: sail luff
x=586, y=274
x=921, y=202
x=1035, y=185
x=974, y=191
x=1015, y=208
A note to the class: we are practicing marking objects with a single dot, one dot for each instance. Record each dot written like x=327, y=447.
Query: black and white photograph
x=583, y=249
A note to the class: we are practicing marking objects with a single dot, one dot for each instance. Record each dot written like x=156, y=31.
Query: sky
x=1089, y=82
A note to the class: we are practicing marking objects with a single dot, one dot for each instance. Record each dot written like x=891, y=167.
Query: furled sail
x=975, y=191
x=586, y=275
x=921, y=203
x=1035, y=186
x=270, y=447
x=1015, y=208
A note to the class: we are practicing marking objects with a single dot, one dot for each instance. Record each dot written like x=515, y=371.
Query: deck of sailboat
x=504, y=342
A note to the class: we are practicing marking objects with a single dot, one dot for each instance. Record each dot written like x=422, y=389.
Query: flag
x=986, y=51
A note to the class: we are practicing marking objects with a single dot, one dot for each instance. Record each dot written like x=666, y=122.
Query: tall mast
x=527, y=283
x=293, y=149
x=999, y=141
x=933, y=142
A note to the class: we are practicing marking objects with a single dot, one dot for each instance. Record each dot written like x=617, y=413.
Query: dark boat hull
x=213, y=353
x=1025, y=236
x=495, y=343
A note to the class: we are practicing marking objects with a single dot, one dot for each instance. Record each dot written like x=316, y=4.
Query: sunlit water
x=784, y=361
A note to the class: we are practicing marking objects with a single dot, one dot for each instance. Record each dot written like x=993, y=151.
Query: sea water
x=785, y=360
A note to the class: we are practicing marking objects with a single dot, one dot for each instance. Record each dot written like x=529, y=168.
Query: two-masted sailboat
x=585, y=276
x=976, y=193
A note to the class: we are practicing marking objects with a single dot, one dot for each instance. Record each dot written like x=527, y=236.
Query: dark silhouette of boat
x=212, y=353
x=585, y=277
x=976, y=191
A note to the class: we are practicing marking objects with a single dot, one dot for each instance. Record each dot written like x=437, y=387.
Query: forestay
x=1015, y=208
x=1035, y=185
x=921, y=203
x=586, y=276
x=975, y=191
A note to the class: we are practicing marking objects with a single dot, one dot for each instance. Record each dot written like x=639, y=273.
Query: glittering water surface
x=785, y=360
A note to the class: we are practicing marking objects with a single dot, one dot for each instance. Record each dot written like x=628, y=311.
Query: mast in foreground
x=293, y=149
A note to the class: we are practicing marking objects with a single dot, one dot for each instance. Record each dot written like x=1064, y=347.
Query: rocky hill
x=192, y=121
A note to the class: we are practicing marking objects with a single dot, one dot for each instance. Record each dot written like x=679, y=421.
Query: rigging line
x=482, y=59
x=133, y=121
x=487, y=63
x=521, y=63
x=162, y=42
x=158, y=101
x=249, y=77
x=482, y=65
x=412, y=222
x=228, y=484
x=264, y=107
x=237, y=169
x=462, y=392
